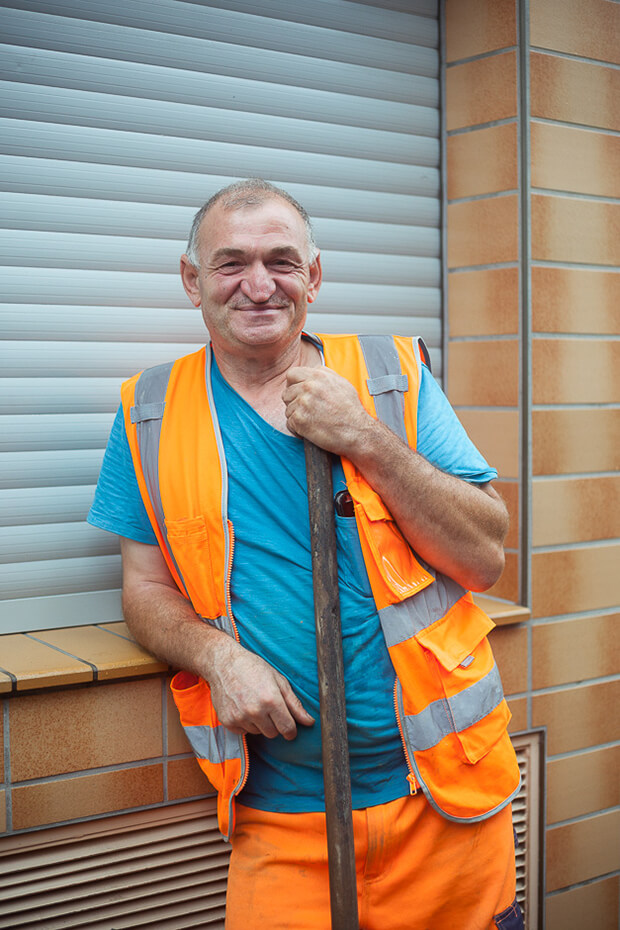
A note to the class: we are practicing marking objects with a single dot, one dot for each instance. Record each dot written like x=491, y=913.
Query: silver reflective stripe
x=382, y=360
x=220, y=623
x=215, y=744
x=387, y=383
x=454, y=714
x=139, y=414
x=148, y=411
x=402, y=621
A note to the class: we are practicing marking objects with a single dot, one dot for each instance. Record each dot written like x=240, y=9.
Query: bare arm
x=458, y=528
x=249, y=695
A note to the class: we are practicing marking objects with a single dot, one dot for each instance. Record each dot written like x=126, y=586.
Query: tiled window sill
x=74, y=655
x=54, y=658
x=503, y=613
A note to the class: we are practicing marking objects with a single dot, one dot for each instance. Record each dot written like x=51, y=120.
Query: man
x=204, y=480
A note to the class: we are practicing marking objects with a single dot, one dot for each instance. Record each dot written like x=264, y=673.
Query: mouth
x=258, y=308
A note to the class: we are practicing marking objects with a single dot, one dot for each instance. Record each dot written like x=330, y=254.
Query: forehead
x=274, y=223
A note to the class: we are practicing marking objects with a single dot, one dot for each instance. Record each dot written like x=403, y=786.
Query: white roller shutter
x=118, y=121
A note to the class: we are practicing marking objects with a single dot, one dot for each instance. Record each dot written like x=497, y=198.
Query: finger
x=295, y=707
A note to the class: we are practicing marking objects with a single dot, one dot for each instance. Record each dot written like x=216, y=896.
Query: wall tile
x=186, y=780
x=477, y=26
x=509, y=644
x=588, y=28
x=484, y=373
x=571, y=230
x=509, y=492
x=575, y=371
x=592, y=167
x=583, y=850
x=573, y=441
x=483, y=232
x=574, y=91
x=483, y=161
x=572, y=300
x=572, y=580
x=518, y=709
x=484, y=302
x=583, y=784
x=566, y=510
x=578, y=717
x=86, y=796
x=68, y=731
x=573, y=650
x=508, y=585
x=481, y=91
x=574, y=909
x=496, y=434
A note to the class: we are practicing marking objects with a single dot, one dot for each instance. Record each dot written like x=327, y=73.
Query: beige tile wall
x=90, y=750
x=571, y=489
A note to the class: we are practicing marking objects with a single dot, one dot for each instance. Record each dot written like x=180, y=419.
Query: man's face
x=255, y=279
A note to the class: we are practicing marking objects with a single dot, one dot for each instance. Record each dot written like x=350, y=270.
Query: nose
x=257, y=284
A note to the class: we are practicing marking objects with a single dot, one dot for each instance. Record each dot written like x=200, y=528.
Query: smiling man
x=204, y=480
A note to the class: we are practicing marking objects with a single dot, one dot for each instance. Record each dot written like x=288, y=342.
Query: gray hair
x=250, y=193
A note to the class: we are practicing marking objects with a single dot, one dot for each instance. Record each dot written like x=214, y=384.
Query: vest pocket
x=188, y=539
x=473, y=699
x=385, y=547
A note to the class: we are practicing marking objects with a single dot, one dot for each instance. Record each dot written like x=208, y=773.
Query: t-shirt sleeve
x=118, y=506
x=442, y=439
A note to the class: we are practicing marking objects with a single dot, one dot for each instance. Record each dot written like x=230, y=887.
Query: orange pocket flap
x=453, y=638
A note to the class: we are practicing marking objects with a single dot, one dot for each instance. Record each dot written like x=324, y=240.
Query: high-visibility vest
x=448, y=696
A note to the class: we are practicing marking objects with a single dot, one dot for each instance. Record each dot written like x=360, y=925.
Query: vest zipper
x=414, y=779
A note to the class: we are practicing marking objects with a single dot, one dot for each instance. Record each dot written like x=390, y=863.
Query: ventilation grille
x=156, y=869
x=527, y=817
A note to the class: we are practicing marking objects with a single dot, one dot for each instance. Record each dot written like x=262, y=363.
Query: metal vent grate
x=528, y=820
x=161, y=869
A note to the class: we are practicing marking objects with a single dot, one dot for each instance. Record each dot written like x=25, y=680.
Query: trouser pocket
x=510, y=919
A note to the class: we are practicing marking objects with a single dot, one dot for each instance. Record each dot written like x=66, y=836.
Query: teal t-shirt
x=272, y=600
x=271, y=590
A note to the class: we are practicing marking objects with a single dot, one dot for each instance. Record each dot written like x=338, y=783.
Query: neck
x=260, y=379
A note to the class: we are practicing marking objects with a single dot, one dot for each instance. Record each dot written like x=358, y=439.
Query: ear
x=316, y=276
x=189, y=277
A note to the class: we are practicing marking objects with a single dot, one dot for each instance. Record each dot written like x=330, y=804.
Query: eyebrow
x=277, y=252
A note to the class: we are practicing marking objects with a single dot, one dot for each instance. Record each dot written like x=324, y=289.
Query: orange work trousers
x=415, y=871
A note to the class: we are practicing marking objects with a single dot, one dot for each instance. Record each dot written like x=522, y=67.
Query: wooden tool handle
x=336, y=772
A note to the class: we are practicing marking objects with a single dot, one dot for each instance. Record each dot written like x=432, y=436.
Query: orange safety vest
x=448, y=695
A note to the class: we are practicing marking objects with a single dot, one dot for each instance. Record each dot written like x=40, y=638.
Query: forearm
x=166, y=624
x=456, y=527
